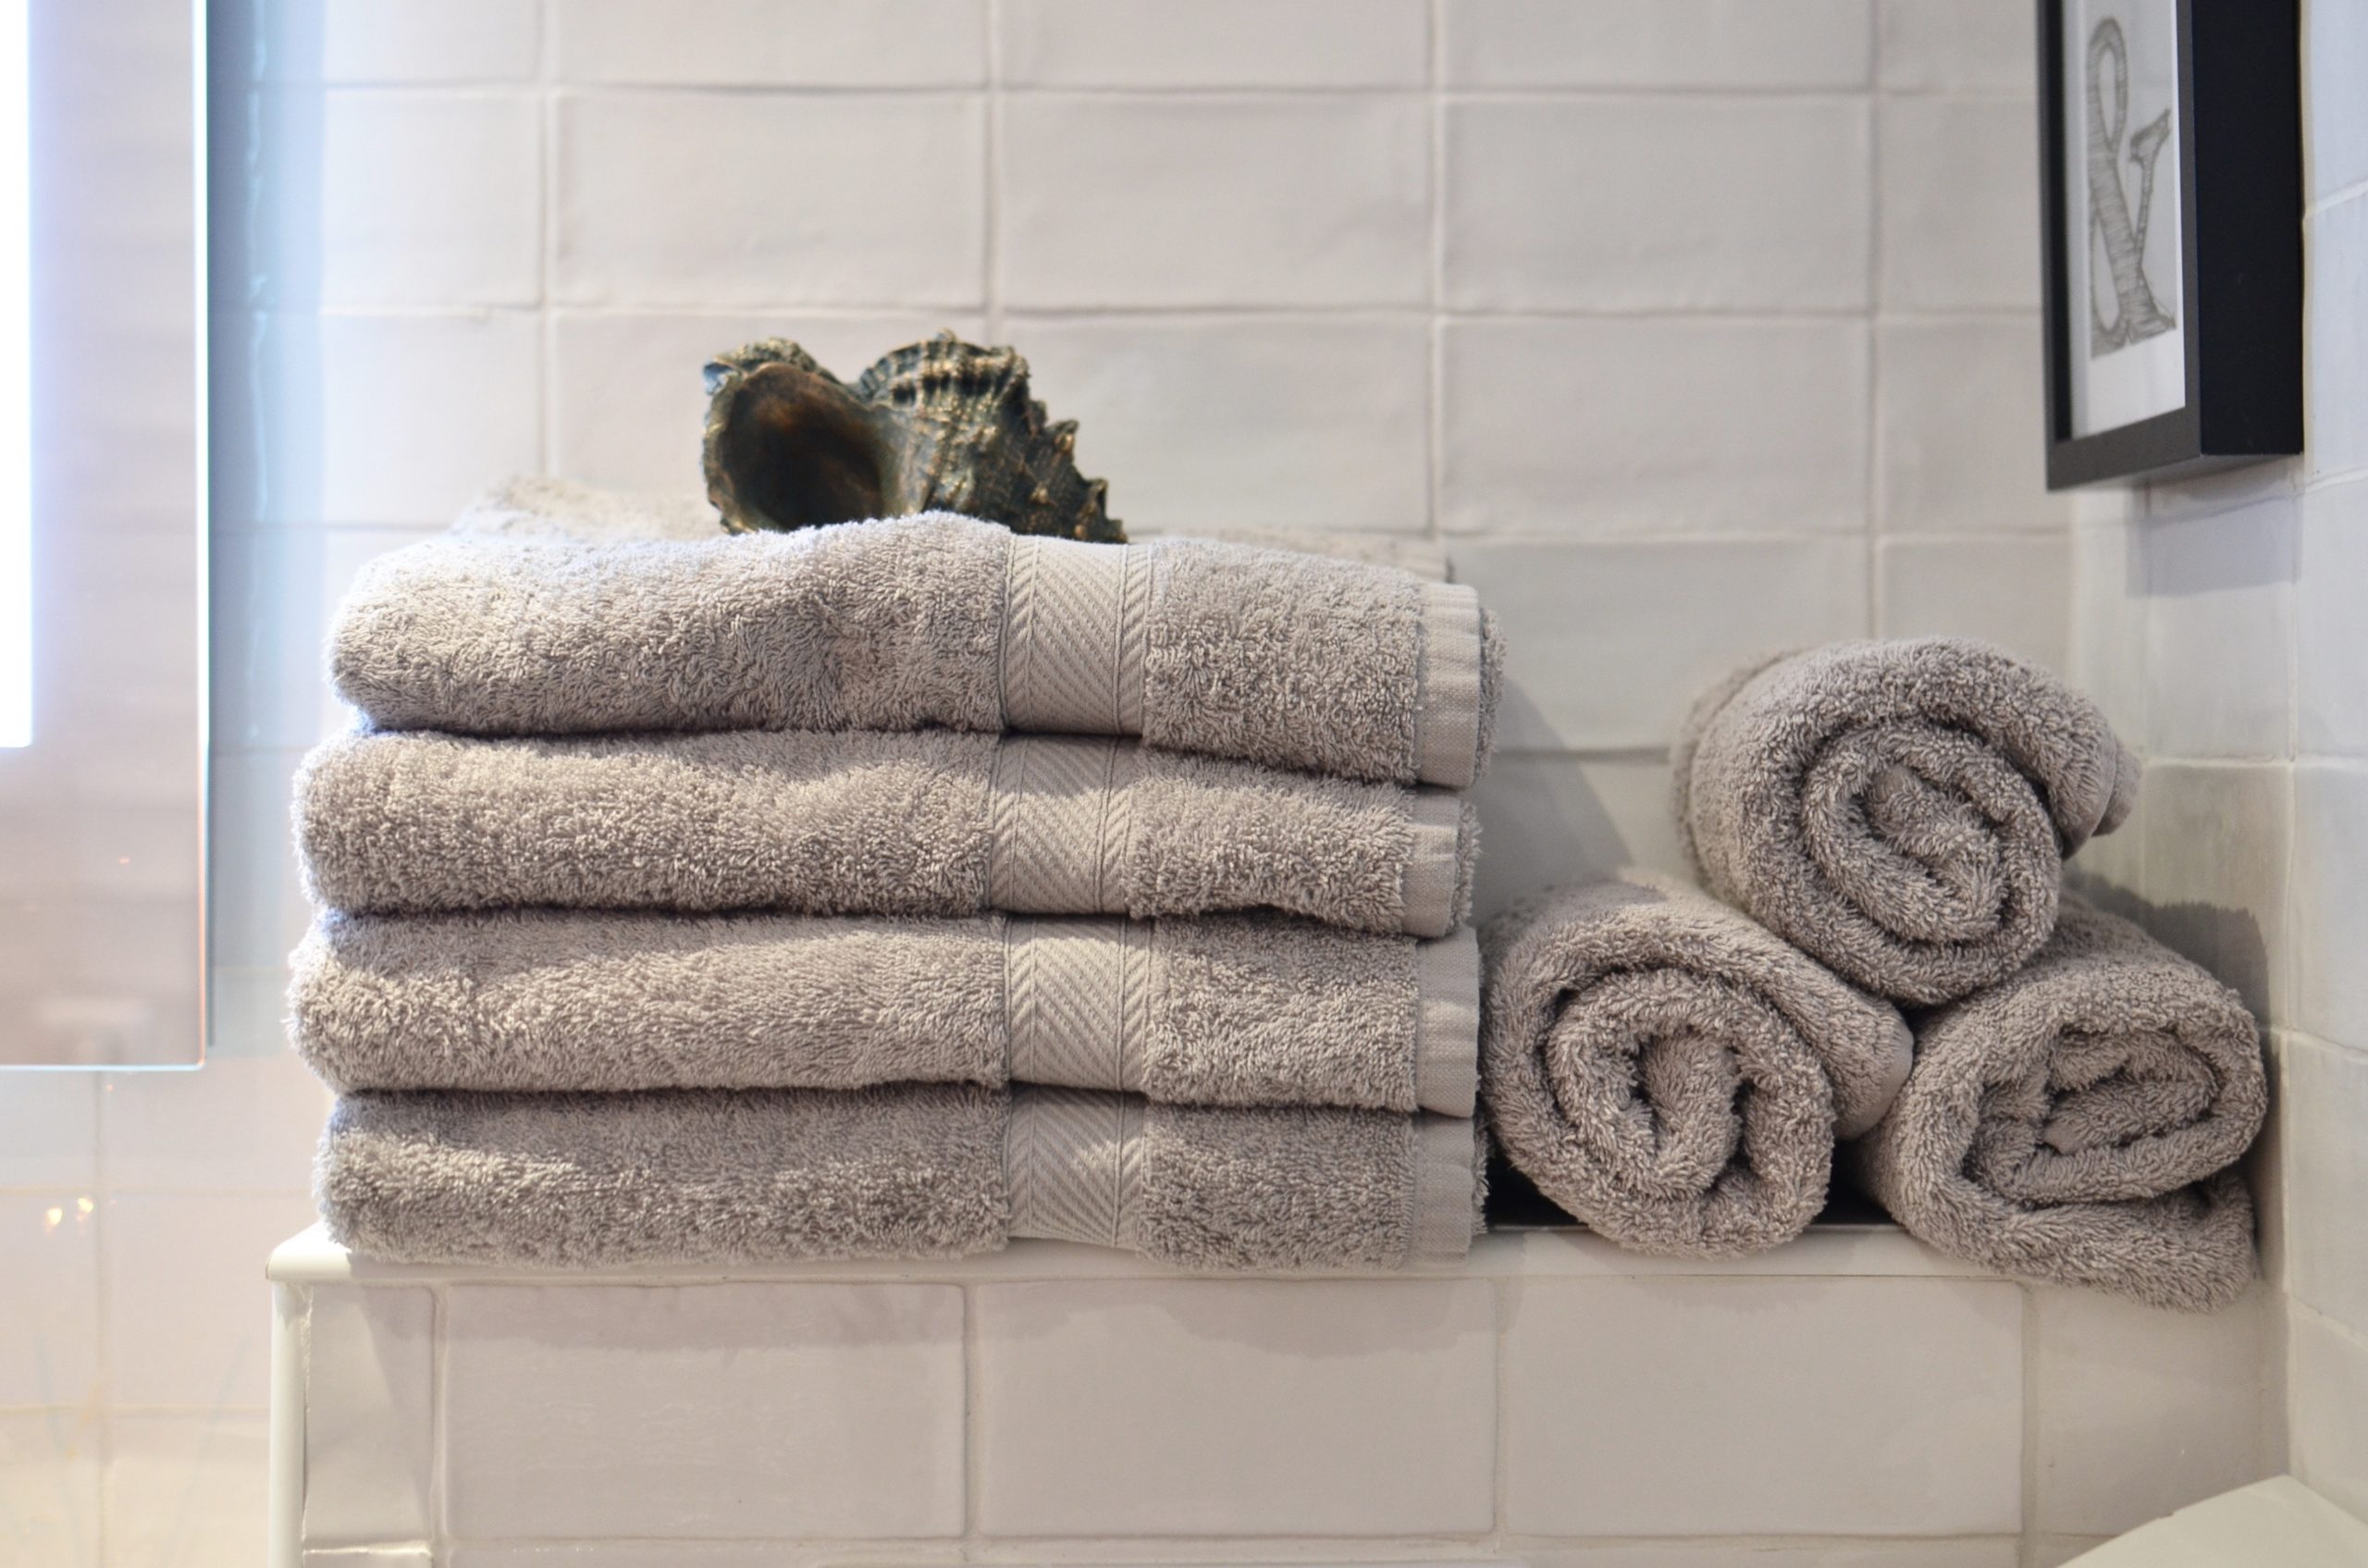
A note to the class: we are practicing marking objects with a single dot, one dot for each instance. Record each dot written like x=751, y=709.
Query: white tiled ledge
x=1826, y=1252
x=1852, y=1397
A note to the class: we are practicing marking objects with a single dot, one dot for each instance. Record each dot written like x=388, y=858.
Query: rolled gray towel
x=1275, y=657
x=1900, y=810
x=2078, y=1122
x=930, y=823
x=778, y=1176
x=1238, y=1011
x=1671, y=1073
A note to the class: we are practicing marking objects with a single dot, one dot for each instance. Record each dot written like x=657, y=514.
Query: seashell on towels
x=940, y=426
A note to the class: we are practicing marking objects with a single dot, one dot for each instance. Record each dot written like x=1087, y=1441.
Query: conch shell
x=940, y=426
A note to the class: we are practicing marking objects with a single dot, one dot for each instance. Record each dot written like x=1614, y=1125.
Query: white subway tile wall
x=177, y=1479
x=2124, y=1389
x=1694, y=326
x=2218, y=619
x=1712, y=1407
x=369, y=1439
x=2214, y=842
x=1214, y=44
x=1237, y=1408
x=183, y=1330
x=1654, y=426
x=1958, y=224
x=425, y=198
x=52, y=1466
x=49, y=1315
x=1150, y=200
x=1605, y=643
x=592, y=1412
x=1270, y=420
x=1957, y=428
x=1565, y=203
x=1641, y=45
x=1552, y=1401
x=2003, y=588
x=2328, y=1374
x=681, y=197
x=883, y=43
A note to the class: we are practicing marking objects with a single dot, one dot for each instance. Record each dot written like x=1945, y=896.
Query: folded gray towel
x=774, y=1176
x=1240, y=1011
x=2077, y=1121
x=1901, y=811
x=1268, y=656
x=935, y=822
x=1671, y=1073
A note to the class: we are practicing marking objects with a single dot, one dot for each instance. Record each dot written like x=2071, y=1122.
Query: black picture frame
x=2239, y=137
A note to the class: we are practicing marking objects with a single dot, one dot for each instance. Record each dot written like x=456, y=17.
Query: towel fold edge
x=1447, y=687
x=1434, y=891
x=1446, y=1196
x=1447, y=1024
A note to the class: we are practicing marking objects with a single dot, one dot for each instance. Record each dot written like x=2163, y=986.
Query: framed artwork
x=2171, y=235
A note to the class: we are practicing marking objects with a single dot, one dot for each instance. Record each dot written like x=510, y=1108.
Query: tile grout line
x=2026, y=1472
x=971, y=1417
x=1503, y=1302
x=102, y=1319
x=1374, y=310
x=1435, y=422
x=1624, y=536
x=1238, y=93
x=439, y=1490
x=991, y=201
x=1872, y=474
x=547, y=366
x=2275, y=1421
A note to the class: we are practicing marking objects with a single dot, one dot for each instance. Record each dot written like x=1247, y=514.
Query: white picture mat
x=2135, y=380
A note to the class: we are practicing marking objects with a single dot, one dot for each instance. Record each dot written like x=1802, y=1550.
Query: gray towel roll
x=2078, y=1122
x=1240, y=1011
x=1669, y=1072
x=929, y=823
x=1900, y=810
x=1275, y=657
x=761, y=1177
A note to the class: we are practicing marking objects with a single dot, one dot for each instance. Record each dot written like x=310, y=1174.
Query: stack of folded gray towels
x=893, y=889
x=1886, y=958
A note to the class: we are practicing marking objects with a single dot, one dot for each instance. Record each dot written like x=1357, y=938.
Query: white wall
x=1695, y=324
x=2221, y=623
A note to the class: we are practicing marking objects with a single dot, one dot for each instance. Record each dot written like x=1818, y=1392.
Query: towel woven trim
x=1076, y=1001
x=1076, y=630
x=1432, y=871
x=1059, y=816
x=1073, y=1164
x=1446, y=682
x=1447, y=1024
x=1446, y=1157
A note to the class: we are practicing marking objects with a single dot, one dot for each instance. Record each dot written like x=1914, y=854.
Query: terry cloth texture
x=1225, y=1011
x=1672, y=1073
x=1900, y=810
x=1277, y=656
x=2076, y=1122
x=935, y=822
x=756, y=1176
